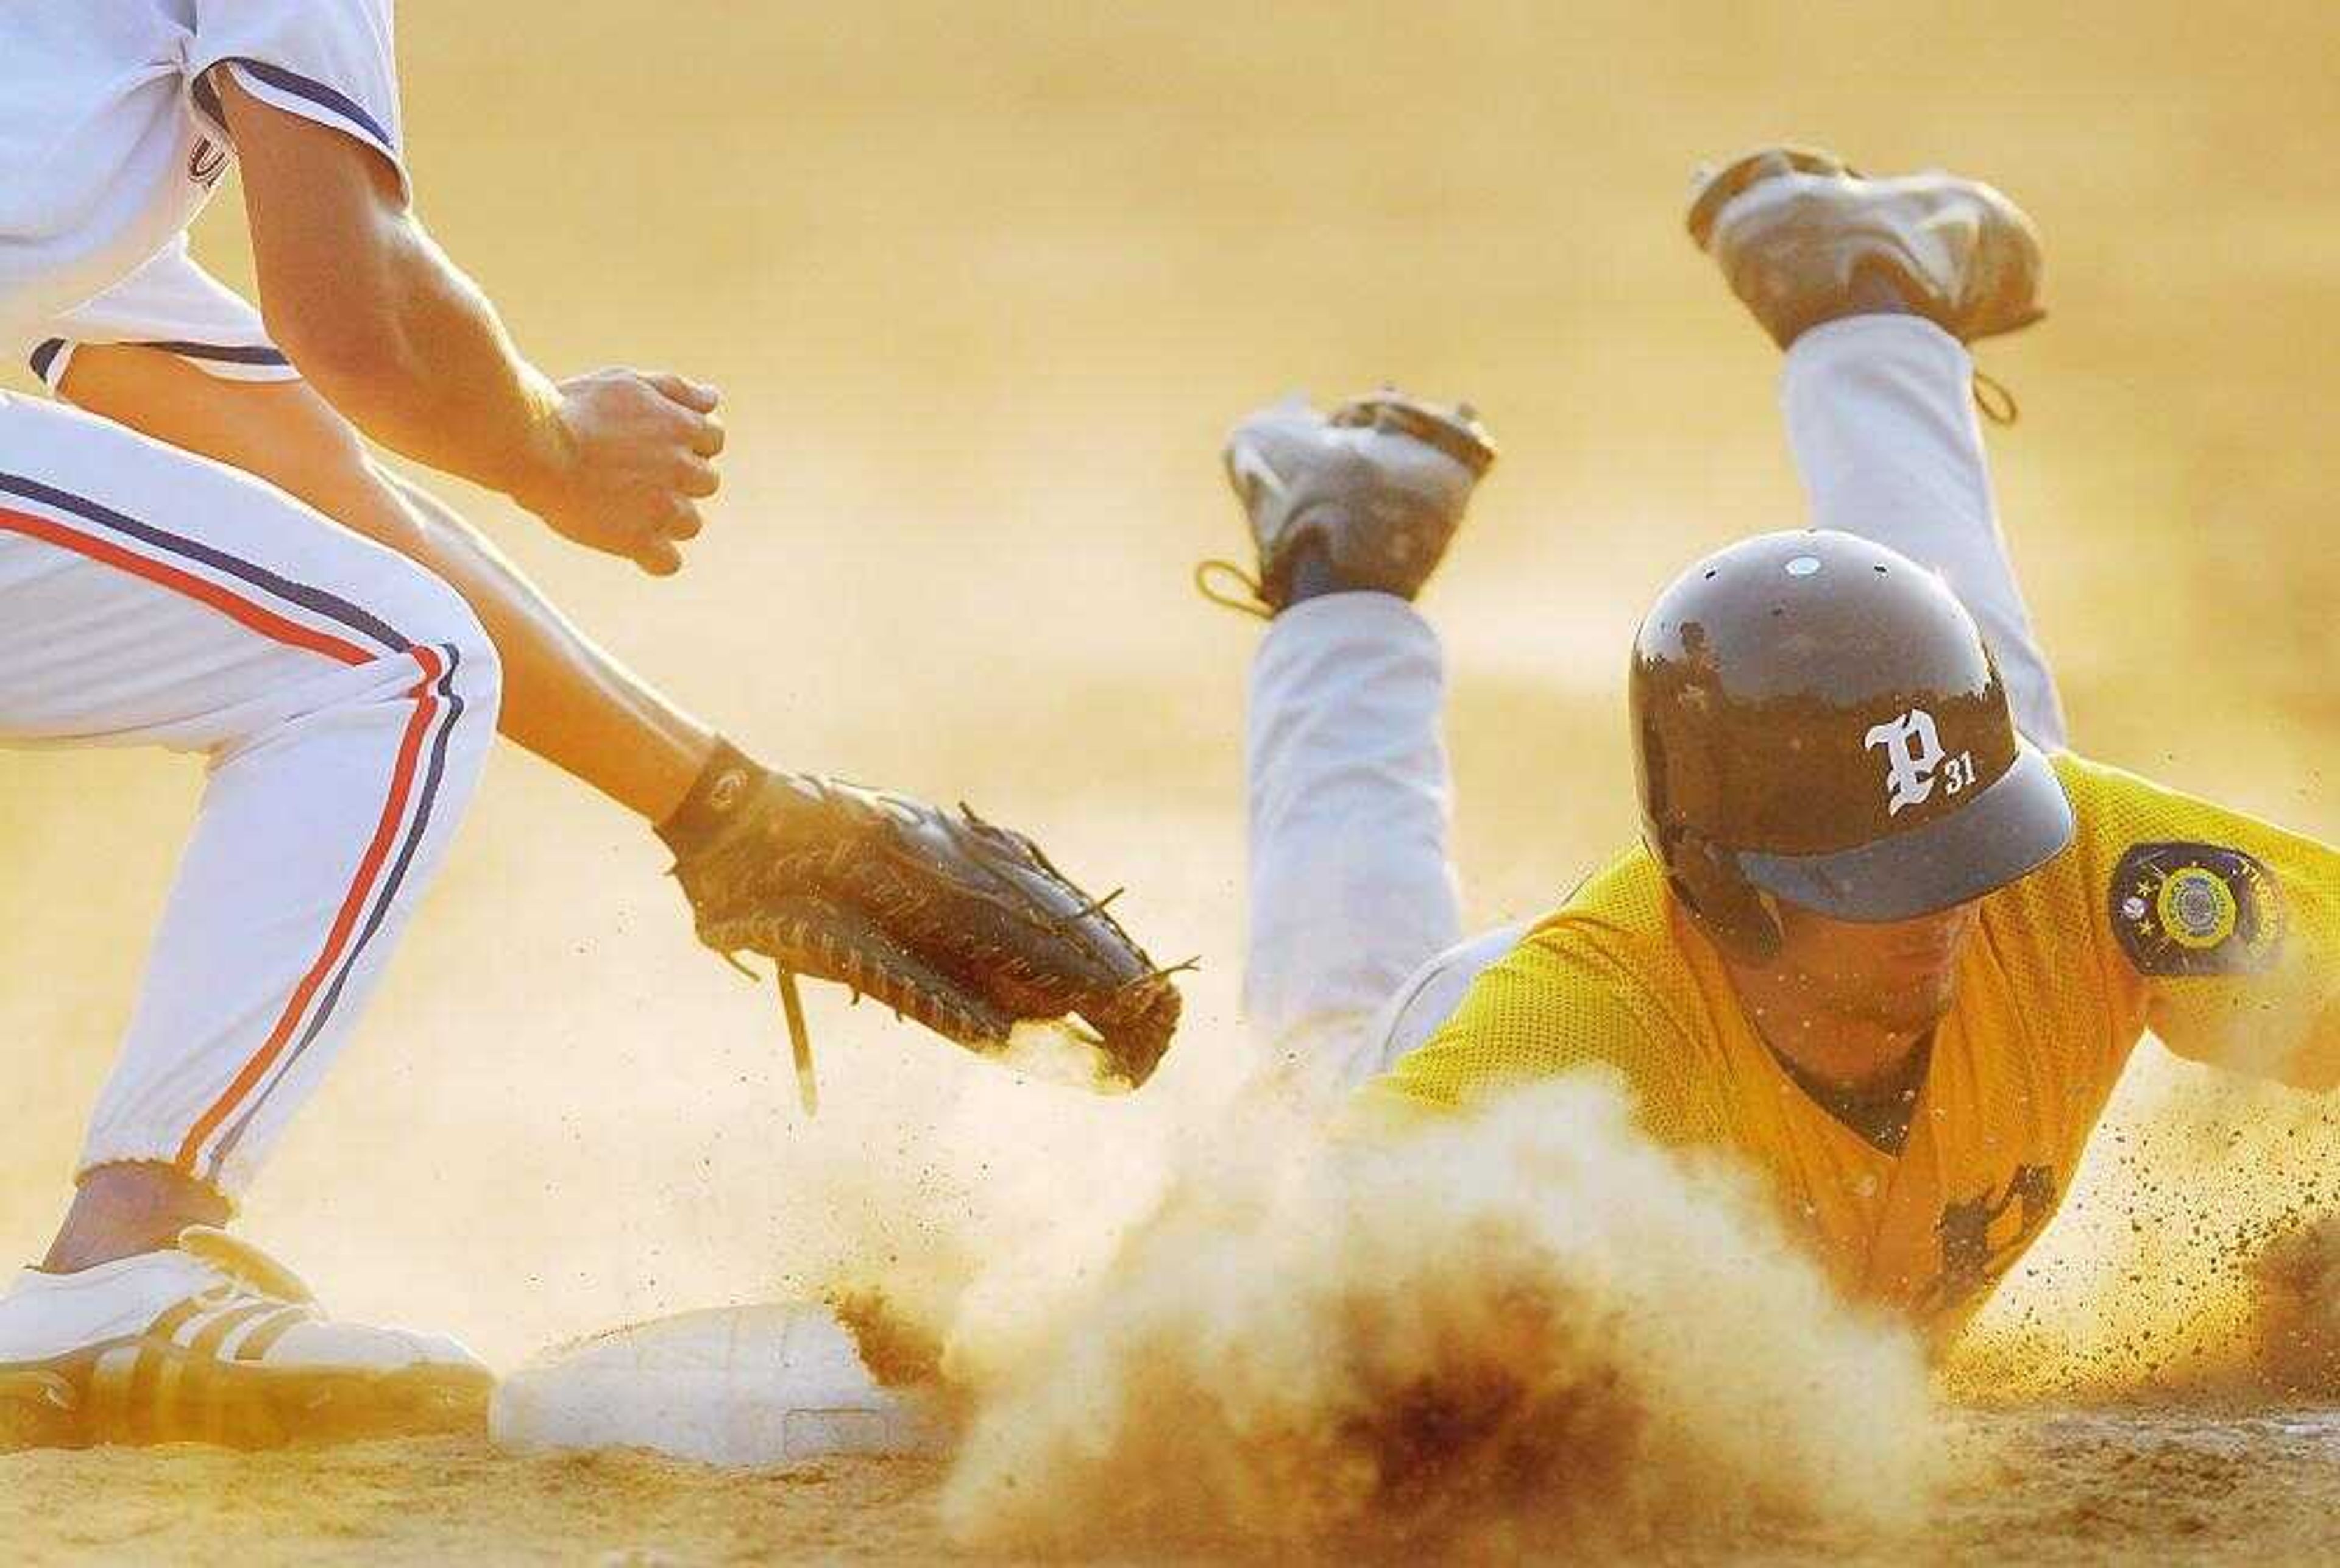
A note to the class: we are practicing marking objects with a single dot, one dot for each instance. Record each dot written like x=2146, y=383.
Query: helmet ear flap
x=1736, y=913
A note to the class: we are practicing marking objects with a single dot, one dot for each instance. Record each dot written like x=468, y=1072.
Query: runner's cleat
x=1713, y=184
x=212, y=1341
x=1365, y=499
x=1799, y=233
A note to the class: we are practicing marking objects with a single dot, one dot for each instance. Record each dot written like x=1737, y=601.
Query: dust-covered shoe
x=1366, y=498
x=213, y=1341
x=1798, y=233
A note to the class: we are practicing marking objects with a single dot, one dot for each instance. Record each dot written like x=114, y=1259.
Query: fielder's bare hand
x=631, y=454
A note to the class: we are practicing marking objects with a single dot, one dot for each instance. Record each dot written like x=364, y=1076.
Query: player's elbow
x=2285, y=1038
x=354, y=328
x=2314, y=1063
x=362, y=361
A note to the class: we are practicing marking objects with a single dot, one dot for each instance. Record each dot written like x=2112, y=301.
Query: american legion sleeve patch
x=2183, y=910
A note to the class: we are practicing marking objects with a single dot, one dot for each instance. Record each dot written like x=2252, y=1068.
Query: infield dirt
x=984, y=290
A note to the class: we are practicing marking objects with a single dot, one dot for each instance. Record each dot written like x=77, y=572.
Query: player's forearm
x=405, y=347
x=418, y=360
x=565, y=698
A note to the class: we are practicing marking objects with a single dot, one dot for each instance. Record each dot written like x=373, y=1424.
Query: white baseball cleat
x=213, y=1341
x=1366, y=498
x=1797, y=232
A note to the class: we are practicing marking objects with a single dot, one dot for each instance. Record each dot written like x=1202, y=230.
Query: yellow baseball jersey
x=2218, y=932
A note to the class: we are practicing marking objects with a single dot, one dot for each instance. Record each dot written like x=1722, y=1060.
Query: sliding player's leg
x=1885, y=435
x=344, y=700
x=1351, y=887
x=1856, y=277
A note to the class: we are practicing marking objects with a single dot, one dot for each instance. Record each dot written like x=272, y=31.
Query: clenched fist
x=632, y=455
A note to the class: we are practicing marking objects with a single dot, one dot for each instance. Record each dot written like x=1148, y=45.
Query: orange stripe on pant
x=186, y=584
x=393, y=811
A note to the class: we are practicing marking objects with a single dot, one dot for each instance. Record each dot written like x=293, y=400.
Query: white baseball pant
x=344, y=699
x=1355, y=919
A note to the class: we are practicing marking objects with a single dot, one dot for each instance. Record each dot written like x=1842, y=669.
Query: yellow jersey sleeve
x=1585, y=990
x=2221, y=930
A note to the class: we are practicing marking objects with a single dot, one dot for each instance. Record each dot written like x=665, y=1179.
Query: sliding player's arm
x=2223, y=930
x=406, y=347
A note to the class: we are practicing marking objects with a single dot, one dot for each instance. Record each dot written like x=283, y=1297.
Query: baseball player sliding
x=343, y=682
x=1885, y=937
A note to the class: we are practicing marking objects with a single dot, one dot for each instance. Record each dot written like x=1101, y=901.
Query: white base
x=748, y=1386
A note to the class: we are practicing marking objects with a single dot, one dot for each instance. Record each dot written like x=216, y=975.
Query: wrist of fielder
x=536, y=473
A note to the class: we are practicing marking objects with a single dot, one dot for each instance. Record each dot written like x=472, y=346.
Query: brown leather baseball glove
x=948, y=919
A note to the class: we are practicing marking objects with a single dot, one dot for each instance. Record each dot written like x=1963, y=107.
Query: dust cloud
x=2190, y=1262
x=1530, y=1327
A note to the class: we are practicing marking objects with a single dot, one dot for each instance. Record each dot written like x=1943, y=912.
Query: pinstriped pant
x=344, y=700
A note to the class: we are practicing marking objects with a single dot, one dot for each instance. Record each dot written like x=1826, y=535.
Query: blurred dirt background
x=983, y=285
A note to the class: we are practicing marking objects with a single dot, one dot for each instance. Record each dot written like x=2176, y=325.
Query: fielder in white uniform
x=342, y=695
x=345, y=692
x=1356, y=952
